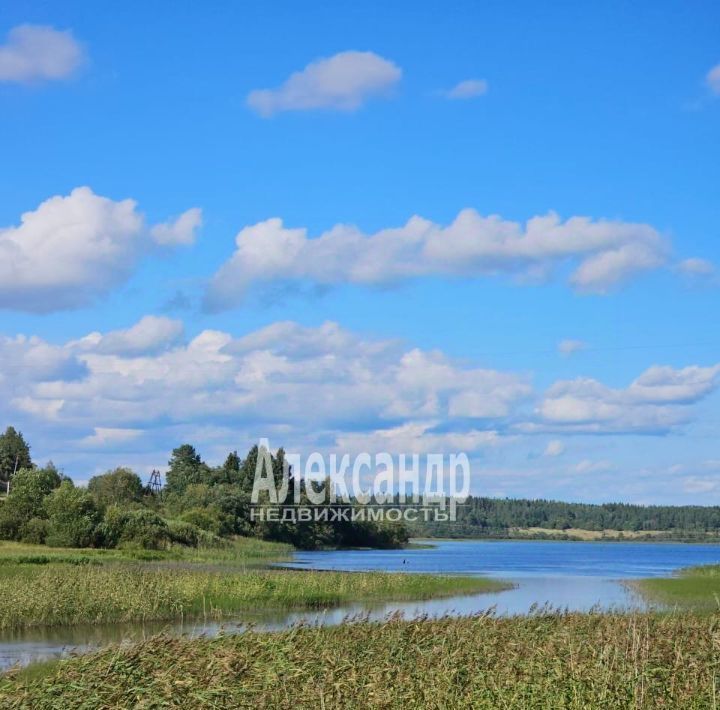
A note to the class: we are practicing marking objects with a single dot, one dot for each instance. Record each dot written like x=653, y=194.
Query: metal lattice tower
x=155, y=484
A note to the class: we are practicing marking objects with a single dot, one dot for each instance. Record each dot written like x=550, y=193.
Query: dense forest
x=494, y=517
x=199, y=505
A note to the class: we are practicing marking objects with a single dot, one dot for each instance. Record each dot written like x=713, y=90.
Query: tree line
x=204, y=505
x=200, y=505
x=496, y=517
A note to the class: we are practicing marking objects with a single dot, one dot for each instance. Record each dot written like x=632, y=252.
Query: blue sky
x=447, y=332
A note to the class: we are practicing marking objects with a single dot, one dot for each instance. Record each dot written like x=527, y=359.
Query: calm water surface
x=568, y=575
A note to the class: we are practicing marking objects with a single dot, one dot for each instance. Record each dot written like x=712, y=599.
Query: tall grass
x=692, y=588
x=64, y=594
x=544, y=661
x=240, y=550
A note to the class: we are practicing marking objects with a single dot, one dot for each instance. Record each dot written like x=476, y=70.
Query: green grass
x=694, y=588
x=545, y=661
x=240, y=550
x=86, y=587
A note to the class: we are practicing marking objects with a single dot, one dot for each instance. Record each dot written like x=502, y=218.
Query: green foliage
x=28, y=491
x=119, y=487
x=227, y=507
x=183, y=533
x=382, y=535
x=216, y=502
x=694, y=588
x=494, y=517
x=231, y=467
x=10, y=522
x=334, y=531
x=185, y=468
x=14, y=453
x=137, y=528
x=73, y=517
x=234, y=554
x=34, y=531
x=204, y=518
x=246, y=474
x=53, y=593
x=30, y=487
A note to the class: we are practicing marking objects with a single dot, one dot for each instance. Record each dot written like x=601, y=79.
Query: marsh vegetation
x=546, y=660
x=63, y=587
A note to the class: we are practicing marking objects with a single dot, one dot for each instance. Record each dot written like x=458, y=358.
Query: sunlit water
x=567, y=575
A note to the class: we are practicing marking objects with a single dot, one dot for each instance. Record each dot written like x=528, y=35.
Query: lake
x=570, y=575
x=567, y=575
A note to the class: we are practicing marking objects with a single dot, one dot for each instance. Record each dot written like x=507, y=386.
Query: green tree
x=185, y=468
x=247, y=470
x=119, y=487
x=73, y=517
x=229, y=472
x=14, y=453
x=30, y=487
x=232, y=462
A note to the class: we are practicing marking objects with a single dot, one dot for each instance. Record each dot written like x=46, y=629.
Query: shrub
x=183, y=533
x=34, y=531
x=73, y=517
x=10, y=522
x=203, y=518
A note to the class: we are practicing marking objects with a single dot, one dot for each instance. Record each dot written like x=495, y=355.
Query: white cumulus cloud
x=342, y=82
x=37, y=52
x=302, y=381
x=182, y=230
x=654, y=402
x=69, y=251
x=600, y=253
x=149, y=335
x=138, y=392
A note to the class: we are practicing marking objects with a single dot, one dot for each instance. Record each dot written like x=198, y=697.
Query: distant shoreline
x=579, y=535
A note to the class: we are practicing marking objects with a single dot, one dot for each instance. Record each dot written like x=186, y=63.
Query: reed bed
x=63, y=594
x=546, y=660
x=695, y=588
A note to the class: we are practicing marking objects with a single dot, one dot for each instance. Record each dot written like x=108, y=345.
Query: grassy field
x=694, y=588
x=543, y=661
x=580, y=534
x=64, y=587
